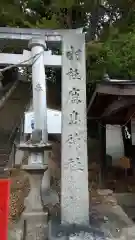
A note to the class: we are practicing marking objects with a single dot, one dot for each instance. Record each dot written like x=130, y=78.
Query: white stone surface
x=114, y=143
x=74, y=195
x=18, y=157
x=53, y=121
x=25, y=59
x=25, y=34
x=39, y=86
x=35, y=158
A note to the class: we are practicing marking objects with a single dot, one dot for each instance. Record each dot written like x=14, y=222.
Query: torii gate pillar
x=38, y=47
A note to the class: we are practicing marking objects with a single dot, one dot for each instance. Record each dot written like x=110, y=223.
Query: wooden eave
x=111, y=101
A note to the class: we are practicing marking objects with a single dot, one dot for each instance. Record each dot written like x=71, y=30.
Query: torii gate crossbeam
x=25, y=34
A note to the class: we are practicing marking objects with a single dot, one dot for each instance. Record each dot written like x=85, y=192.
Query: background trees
x=109, y=27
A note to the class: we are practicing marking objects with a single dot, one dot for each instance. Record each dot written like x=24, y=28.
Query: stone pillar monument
x=34, y=216
x=74, y=198
x=74, y=170
x=73, y=222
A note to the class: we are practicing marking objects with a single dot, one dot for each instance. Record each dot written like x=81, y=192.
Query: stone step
x=127, y=202
x=130, y=211
x=11, y=110
x=4, y=158
x=14, y=107
x=4, y=144
x=4, y=155
x=3, y=162
x=4, y=150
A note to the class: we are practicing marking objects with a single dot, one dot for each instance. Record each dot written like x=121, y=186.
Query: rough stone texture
x=105, y=214
x=103, y=202
x=61, y=232
x=34, y=216
x=36, y=136
x=19, y=156
x=36, y=227
x=50, y=197
x=127, y=202
x=103, y=209
x=36, y=221
x=33, y=201
x=74, y=169
x=15, y=235
x=55, y=169
x=102, y=227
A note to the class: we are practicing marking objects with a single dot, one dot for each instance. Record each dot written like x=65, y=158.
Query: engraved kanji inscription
x=73, y=54
x=38, y=87
x=73, y=138
x=74, y=164
x=75, y=95
x=74, y=118
x=74, y=74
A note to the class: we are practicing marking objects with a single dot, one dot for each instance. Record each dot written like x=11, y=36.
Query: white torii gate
x=25, y=59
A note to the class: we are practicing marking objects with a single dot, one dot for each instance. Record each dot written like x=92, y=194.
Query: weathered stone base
x=15, y=235
x=15, y=231
x=35, y=226
x=73, y=232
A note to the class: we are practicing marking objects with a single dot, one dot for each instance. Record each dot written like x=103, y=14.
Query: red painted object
x=4, y=208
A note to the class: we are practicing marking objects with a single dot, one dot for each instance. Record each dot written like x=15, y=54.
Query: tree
x=109, y=25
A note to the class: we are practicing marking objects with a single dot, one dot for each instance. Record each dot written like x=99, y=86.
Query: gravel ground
x=19, y=190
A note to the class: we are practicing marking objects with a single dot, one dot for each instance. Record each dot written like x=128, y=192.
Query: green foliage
x=10, y=13
x=96, y=57
x=113, y=52
x=45, y=23
x=121, y=56
x=116, y=56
